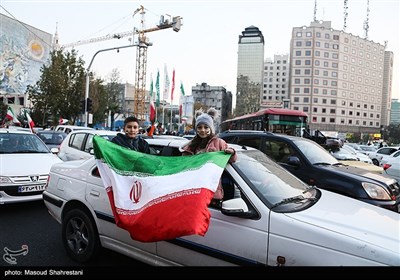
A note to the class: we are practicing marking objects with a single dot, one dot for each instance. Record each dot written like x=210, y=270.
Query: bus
x=277, y=120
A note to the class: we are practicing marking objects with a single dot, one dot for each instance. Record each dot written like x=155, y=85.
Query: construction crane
x=141, y=54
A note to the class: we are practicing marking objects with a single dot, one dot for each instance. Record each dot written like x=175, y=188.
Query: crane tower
x=141, y=54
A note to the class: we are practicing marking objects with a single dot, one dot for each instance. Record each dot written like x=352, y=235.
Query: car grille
x=395, y=188
x=31, y=180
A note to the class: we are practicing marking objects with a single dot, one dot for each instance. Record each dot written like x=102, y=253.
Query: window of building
x=298, y=43
x=308, y=43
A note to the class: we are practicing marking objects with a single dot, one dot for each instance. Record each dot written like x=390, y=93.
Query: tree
x=115, y=95
x=60, y=88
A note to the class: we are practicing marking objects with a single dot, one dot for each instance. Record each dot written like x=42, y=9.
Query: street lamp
x=88, y=72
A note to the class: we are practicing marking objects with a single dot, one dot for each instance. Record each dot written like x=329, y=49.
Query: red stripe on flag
x=174, y=215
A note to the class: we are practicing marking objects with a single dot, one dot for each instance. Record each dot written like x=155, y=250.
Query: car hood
x=361, y=165
x=353, y=226
x=26, y=164
x=357, y=171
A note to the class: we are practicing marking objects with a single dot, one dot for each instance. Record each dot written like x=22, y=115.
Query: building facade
x=395, y=112
x=23, y=51
x=249, y=86
x=206, y=96
x=337, y=79
x=276, y=82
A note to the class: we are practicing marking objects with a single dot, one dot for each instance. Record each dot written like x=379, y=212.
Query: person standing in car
x=130, y=138
x=206, y=141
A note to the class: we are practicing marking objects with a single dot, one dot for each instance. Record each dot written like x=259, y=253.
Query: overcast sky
x=205, y=49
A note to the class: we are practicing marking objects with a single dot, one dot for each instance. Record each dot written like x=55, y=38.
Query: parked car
x=79, y=144
x=51, y=138
x=391, y=166
x=25, y=163
x=269, y=218
x=315, y=166
x=69, y=128
x=361, y=156
x=382, y=153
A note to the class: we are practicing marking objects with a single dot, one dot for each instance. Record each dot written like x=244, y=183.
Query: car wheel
x=79, y=235
x=375, y=161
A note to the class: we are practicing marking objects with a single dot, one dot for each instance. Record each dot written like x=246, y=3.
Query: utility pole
x=88, y=76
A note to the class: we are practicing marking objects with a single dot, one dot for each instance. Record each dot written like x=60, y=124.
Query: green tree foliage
x=61, y=87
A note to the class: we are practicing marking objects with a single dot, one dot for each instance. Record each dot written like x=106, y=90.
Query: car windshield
x=271, y=182
x=315, y=153
x=52, y=138
x=15, y=143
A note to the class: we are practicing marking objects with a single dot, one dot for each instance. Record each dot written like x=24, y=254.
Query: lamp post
x=88, y=72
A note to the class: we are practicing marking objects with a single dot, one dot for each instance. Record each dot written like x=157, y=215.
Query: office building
x=250, y=67
x=338, y=79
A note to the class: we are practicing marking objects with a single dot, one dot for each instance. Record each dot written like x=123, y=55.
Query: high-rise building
x=249, y=71
x=276, y=82
x=387, y=88
x=338, y=79
x=395, y=112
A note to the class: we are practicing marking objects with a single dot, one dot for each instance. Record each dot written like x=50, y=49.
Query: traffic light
x=89, y=103
x=82, y=108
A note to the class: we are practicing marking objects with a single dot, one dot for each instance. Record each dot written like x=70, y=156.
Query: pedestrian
x=207, y=141
x=130, y=138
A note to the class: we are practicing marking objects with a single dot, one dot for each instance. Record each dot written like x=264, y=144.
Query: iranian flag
x=30, y=121
x=11, y=116
x=159, y=197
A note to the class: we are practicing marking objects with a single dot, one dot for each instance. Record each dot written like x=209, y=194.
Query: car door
x=229, y=240
x=97, y=196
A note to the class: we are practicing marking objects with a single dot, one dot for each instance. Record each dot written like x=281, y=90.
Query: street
x=33, y=238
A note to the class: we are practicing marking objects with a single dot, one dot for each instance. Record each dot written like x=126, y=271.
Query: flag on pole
x=158, y=198
x=166, y=83
x=11, y=116
x=158, y=88
x=30, y=121
x=152, y=116
x=181, y=99
x=173, y=85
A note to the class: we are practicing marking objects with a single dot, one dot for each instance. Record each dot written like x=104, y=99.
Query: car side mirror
x=236, y=207
x=293, y=160
x=91, y=151
x=55, y=150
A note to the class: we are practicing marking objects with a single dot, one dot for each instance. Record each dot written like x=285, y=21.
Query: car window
x=21, y=143
x=253, y=142
x=77, y=140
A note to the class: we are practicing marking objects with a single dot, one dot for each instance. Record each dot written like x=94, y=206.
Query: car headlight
x=376, y=191
x=4, y=180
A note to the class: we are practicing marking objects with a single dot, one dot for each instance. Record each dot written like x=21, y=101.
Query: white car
x=69, y=128
x=382, y=154
x=271, y=219
x=79, y=143
x=391, y=166
x=25, y=162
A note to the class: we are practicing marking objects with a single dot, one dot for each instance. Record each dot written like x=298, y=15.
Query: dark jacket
x=136, y=144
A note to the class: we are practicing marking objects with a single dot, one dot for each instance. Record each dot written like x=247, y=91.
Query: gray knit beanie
x=207, y=120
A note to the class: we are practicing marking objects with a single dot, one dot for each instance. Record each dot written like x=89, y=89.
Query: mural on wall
x=23, y=51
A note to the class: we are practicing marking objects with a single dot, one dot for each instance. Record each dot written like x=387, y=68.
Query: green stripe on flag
x=125, y=161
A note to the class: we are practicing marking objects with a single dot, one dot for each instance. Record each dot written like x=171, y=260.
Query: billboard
x=23, y=51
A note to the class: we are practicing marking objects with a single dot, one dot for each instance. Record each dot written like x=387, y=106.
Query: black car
x=312, y=164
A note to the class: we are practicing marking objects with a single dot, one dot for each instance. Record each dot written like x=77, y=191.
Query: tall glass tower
x=249, y=71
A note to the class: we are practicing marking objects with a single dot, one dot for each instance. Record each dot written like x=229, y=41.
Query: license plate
x=36, y=188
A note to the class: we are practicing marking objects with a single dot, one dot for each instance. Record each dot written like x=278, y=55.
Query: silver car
x=267, y=217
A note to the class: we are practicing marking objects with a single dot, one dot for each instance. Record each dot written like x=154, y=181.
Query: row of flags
x=12, y=117
x=165, y=93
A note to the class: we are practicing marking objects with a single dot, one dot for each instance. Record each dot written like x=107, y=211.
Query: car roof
x=16, y=130
x=173, y=142
x=258, y=132
x=97, y=132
